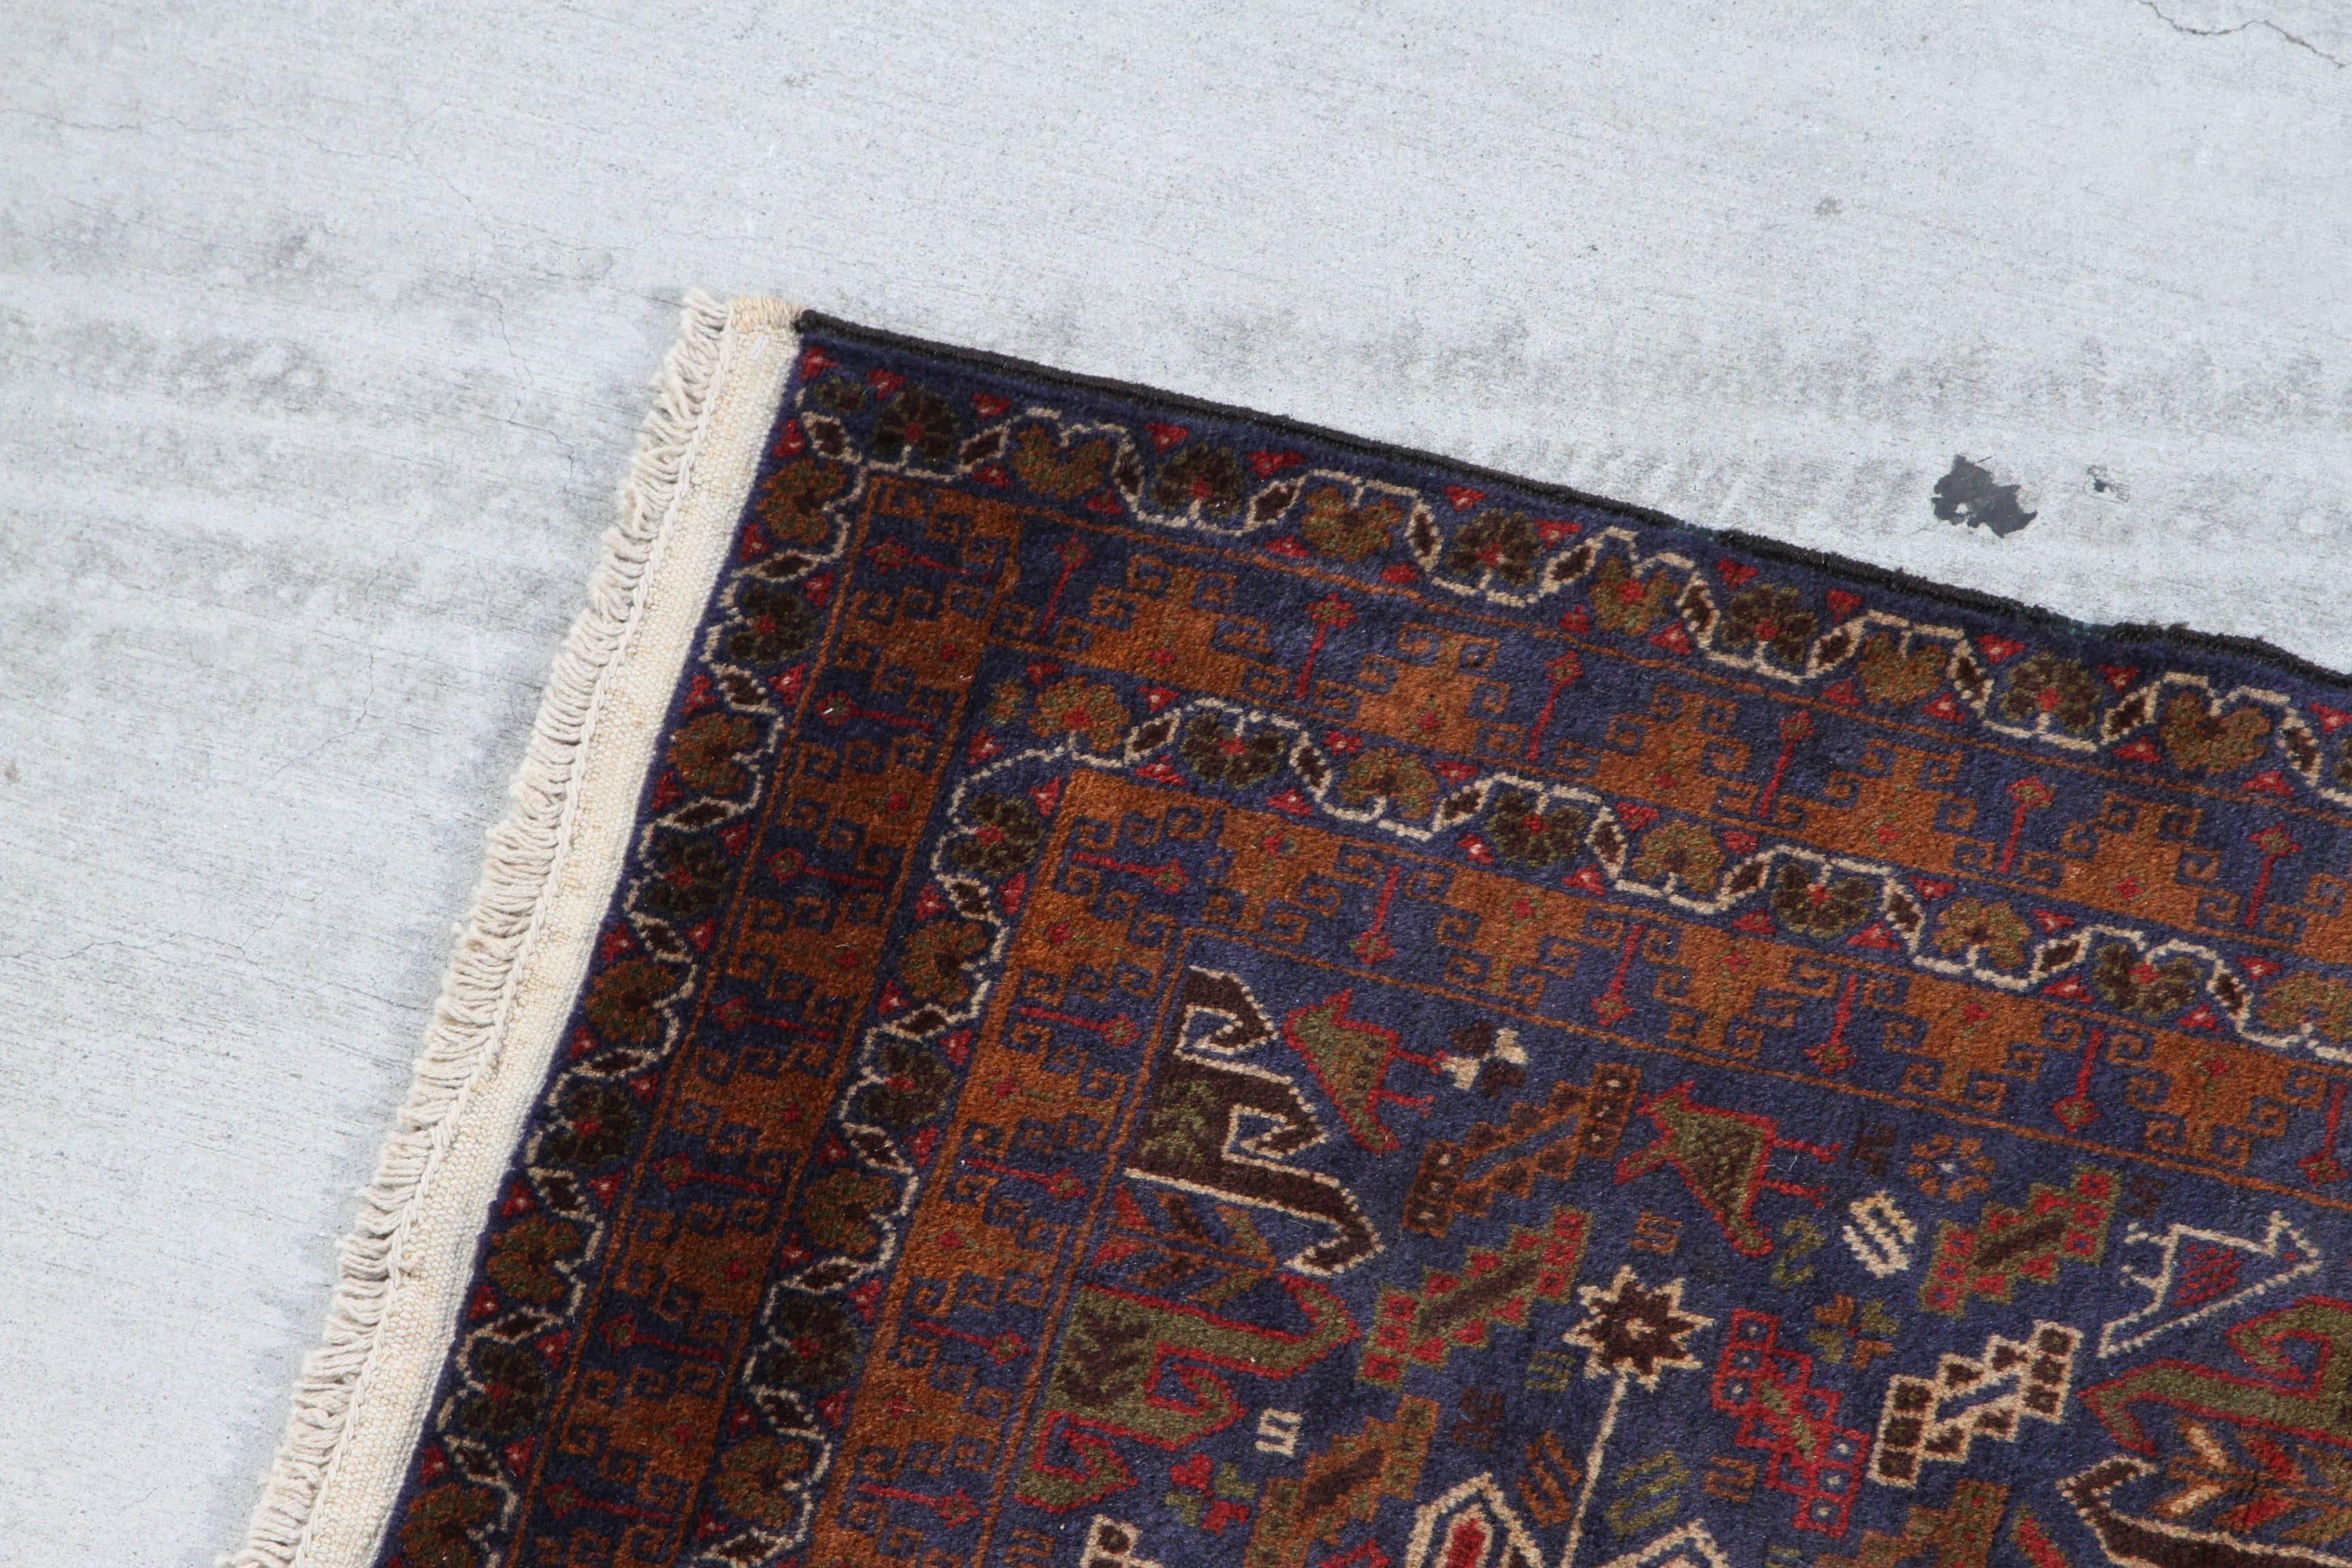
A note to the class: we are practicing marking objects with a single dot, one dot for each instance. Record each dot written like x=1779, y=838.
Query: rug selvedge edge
x=470, y=1018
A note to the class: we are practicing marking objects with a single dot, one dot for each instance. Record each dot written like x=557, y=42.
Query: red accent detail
x=983, y=746
x=2208, y=1273
x=791, y=441
x=2119, y=677
x=1734, y=572
x=1794, y=728
x=788, y=685
x=2039, y=1548
x=1159, y=771
x=1131, y=1214
x=1192, y=1473
x=1105, y=503
x=701, y=934
x=617, y=942
x=1265, y=465
x=818, y=589
x=1674, y=639
x=2051, y=922
x=2269, y=781
x=1877, y=936
x=1288, y=548
x=1997, y=649
x=1329, y=613
x=1455, y=773
x=1118, y=1249
x=1755, y=921
x=2275, y=845
x=2321, y=1167
x=2140, y=750
x=2260, y=968
x=1556, y=532
x=1563, y=672
x=884, y=382
x=2200, y=1017
x=1291, y=801
x=606, y=1189
x=993, y=474
x=1373, y=946
x=1843, y=693
x=2031, y=795
x=2078, y=1111
x=667, y=791
x=815, y=361
x=1586, y=879
x=2331, y=719
x=1463, y=497
x=988, y=405
x=928, y=904
x=1611, y=1005
x=1224, y=1511
x=1466, y=1543
x=2070, y=989
x=1636, y=818
x=1932, y=888
x=1842, y=604
x=1947, y=707
x=1770, y=1389
x=1576, y=622
x=1165, y=435
x=1477, y=849
x=1399, y=572
x=1739, y=841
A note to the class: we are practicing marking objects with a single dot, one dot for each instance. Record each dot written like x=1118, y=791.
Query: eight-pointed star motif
x=1632, y=1330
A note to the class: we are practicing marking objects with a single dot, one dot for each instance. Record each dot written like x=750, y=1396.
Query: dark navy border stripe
x=2254, y=649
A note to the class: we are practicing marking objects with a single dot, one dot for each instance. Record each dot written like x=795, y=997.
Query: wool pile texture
x=1185, y=990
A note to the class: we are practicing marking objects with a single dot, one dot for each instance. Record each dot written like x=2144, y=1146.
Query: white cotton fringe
x=469, y=1019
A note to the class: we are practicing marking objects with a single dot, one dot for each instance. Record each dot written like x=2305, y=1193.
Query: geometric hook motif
x=1939, y=1417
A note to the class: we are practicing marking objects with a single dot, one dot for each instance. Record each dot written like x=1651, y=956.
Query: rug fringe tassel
x=469, y=1019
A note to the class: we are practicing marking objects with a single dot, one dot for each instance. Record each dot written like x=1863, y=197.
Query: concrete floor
x=322, y=332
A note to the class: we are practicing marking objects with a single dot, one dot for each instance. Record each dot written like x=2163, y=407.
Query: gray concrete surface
x=322, y=332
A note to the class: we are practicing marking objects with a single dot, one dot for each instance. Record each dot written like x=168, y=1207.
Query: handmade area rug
x=1082, y=980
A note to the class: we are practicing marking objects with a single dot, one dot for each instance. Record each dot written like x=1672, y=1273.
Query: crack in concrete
x=2262, y=22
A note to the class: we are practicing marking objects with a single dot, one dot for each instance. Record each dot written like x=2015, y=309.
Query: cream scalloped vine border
x=524, y=948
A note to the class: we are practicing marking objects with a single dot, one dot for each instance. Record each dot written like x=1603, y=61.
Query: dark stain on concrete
x=1969, y=494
